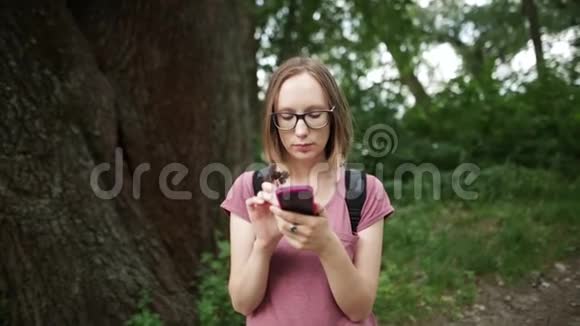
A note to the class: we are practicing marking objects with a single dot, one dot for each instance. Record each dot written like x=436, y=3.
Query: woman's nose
x=301, y=128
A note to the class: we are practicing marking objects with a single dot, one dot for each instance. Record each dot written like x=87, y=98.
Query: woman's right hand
x=263, y=221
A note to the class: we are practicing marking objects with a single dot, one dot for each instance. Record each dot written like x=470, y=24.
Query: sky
x=440, y=63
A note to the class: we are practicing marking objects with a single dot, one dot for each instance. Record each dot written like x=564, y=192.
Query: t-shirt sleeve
x=241, y=190
x=377, y=204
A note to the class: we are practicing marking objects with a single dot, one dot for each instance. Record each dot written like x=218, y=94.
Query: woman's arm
x=249, y=266
x=354, y=286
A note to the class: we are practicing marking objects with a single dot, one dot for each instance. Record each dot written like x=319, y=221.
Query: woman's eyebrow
x=309, y=108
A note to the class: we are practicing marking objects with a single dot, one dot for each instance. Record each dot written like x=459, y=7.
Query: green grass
x=435, y=250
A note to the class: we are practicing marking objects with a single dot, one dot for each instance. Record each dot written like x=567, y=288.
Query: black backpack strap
x=356, y=193
x=258, y=179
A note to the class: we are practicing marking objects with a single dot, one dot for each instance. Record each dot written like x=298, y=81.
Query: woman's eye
x=287, y=116
x=315, y=115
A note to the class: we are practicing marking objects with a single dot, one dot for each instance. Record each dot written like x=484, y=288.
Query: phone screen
x=299, y=199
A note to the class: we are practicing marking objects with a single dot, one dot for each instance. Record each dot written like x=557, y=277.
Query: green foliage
x=508, y=182
x=520, y=131
x=435, y=250
x=213, y=302
x=145, y=317
x=534, y=128
x=477, y=117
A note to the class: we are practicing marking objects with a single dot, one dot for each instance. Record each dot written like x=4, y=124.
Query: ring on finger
x=293, y=228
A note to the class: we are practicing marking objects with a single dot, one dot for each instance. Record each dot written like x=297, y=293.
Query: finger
x=270, y=190
x=291, y=217
x=279, y=223
x=252, y=201
x=319, y=210
x=268, y=187
x=292, y=229
x=295, y=241
x=269, y=197
x=299, y=232
x=286, y=229
x=285, y=215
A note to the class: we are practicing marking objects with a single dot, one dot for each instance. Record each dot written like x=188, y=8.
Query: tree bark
x=531, y=12
x=161, y=81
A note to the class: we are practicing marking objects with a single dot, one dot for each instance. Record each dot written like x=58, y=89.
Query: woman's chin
x=305, y=156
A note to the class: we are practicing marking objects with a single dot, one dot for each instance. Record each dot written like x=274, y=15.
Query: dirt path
x=547, y=300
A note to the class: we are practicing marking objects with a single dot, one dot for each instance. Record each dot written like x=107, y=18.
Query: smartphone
x=298, y=199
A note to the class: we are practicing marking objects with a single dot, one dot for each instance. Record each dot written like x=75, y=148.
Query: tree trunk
x=160, y=81
x=289, y=46
x=407, y=73
x=531, y=12
x=393, y=32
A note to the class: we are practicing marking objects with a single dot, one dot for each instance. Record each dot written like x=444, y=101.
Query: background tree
x=530, y=10
x=163, y=82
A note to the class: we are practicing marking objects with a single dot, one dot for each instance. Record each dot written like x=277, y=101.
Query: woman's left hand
x=310, y=232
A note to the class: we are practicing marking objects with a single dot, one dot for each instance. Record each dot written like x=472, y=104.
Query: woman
x=293, y=269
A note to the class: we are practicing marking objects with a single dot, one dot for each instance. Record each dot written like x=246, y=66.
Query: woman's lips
x=303, y=147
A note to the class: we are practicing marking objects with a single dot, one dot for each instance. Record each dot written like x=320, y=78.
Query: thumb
x=319, y=210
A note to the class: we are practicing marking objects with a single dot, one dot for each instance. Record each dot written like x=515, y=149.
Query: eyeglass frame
x=301, y=116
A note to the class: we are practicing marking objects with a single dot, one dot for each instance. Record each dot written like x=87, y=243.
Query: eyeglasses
x=313, y=119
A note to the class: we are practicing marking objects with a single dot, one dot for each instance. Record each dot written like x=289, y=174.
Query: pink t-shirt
x=298, y=292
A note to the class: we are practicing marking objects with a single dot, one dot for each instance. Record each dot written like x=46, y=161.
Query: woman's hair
x=340, y=138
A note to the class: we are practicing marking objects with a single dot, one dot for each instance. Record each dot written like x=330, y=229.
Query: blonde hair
x=340, y=138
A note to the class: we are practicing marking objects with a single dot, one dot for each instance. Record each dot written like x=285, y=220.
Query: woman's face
x=303, y=94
